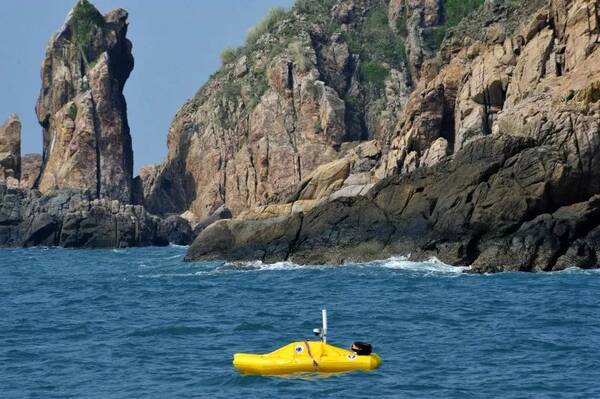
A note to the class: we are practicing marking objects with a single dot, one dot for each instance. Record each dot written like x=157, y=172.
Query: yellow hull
x=305, y=357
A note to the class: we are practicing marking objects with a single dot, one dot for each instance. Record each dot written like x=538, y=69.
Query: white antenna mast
x=324, y=332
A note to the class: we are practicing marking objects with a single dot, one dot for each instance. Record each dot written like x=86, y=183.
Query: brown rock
x=494, y=163
x=325, y=180
x=10, y=151
x=483, y=94
x=426, y=118
x=295, y=127
x=531, y=67
x=31, y=165
x=87, y=145
x=418, y=16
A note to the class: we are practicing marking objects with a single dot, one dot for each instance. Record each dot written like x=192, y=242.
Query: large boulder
x=201, y=224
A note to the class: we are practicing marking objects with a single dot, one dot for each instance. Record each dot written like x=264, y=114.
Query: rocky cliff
x=79, y=193
x=308, y=86
x=87, y=144
x=492, y=162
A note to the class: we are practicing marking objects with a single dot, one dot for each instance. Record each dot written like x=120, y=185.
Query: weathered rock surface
x=286, y=105
x=10, y=151
x=72, y=219
x=494, y=161
x=199, y=226
x=31, y=165
x=87, y=144
x=418, y=18
x=85, y=174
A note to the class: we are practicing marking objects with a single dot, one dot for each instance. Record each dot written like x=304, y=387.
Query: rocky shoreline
x=343, y=131
x=519, y=192
x=72, y=219
x=441, y=212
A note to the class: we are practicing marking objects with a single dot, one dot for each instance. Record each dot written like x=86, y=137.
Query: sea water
x=142, y=323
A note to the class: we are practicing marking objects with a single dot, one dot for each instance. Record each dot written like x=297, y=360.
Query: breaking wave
x=428, y=268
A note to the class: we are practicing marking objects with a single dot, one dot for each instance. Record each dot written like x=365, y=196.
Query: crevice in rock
x=597, y=20
x=578, y=153
x=472, y=250
x=223, y=188
x=293, y=244
x=290, y=77
x=58, y=233
x=255, y=177
x=292, y=132
x=432, y=205
x=448, y=125
x=98, y=138
x=116, y=232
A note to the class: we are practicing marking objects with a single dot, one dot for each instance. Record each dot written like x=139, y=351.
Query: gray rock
x=220, y=214
x=76, y=220
x=177, y=230
x=10, y=151
x=473, y=209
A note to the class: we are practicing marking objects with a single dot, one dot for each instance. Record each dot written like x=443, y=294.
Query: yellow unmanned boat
x=309, y=357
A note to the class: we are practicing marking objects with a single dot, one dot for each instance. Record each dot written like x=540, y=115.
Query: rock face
x=10, y=152
x=76, y=220
x=419, y=18
x=288, y=102
x=87, y=145
x=493, y=163
x=31, y=165
x=85, y=174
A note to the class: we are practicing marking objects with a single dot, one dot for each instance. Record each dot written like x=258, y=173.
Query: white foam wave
x=179, y=246
x=430, y=267
x=433, y=265
x=577, y=270
x=168, y=275
x=261, y=266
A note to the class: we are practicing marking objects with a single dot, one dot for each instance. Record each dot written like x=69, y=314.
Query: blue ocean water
x=141, y=323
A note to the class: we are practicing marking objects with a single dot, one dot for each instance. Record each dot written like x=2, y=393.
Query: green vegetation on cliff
x=85, y=21
x=72, y=112
x=275, y=16
x=310, y=34
x=229, y=55
x=375, y=41
x=373, y=74
x=454, y=12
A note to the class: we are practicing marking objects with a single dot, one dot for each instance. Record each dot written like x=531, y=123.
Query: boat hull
x=305, y=357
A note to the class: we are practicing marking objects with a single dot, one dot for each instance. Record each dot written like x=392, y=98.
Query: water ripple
x=142, y=323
